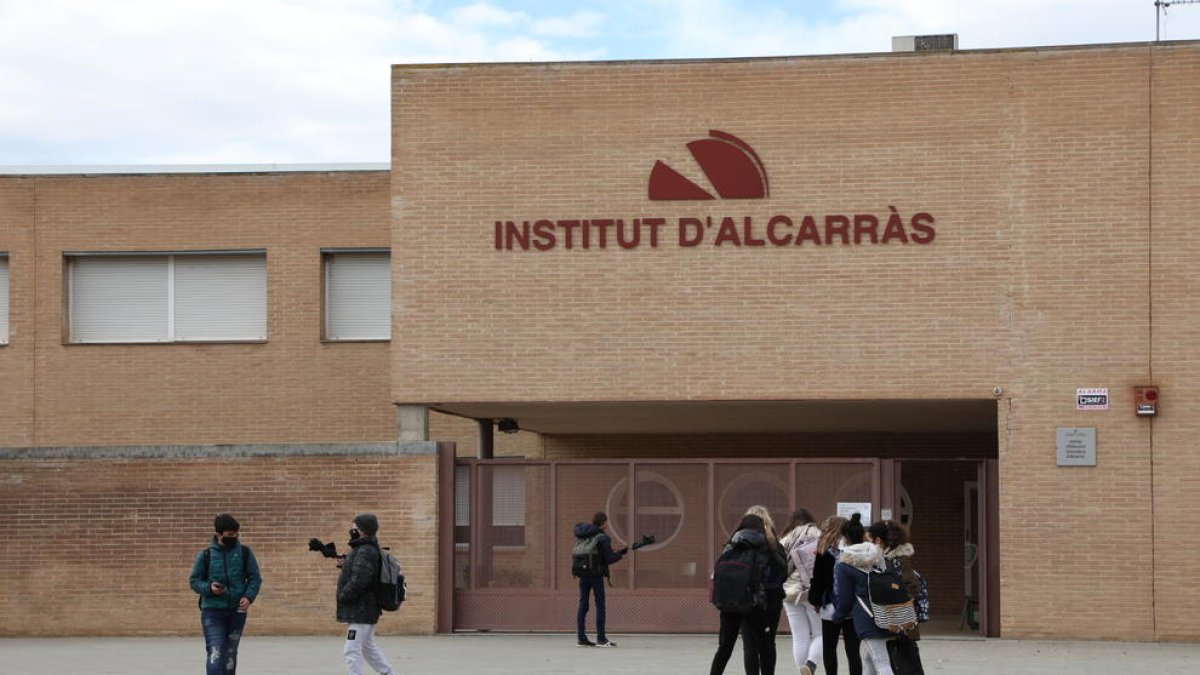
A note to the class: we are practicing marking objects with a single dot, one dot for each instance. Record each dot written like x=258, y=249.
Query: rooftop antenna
x=1160, y=8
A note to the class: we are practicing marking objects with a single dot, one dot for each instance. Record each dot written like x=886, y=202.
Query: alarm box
x=1145, y=401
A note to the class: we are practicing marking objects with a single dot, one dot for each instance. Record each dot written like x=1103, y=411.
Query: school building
x=955, y=288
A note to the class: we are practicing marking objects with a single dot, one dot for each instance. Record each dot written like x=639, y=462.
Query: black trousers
x=758, y=641
x=829, y=640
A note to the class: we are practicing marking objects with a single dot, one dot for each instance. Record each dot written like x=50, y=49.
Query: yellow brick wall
x=1036, y=166
x=98, y=546
x=292, y=388
x=16, y=358
x=1176, y=335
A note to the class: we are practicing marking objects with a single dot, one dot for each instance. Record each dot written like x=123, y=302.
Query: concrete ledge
x=222, y=451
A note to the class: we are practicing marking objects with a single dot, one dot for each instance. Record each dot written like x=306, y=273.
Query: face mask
x=355, y=534
x=228, y=542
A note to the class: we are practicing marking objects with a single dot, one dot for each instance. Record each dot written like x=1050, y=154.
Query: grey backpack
x=585, y=556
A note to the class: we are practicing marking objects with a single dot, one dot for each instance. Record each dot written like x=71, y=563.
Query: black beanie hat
x=367, y=523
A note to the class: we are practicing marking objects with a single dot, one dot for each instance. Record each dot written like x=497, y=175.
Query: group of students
x=820, y=577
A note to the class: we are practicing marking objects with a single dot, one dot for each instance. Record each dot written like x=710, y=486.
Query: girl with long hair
x=800, y=541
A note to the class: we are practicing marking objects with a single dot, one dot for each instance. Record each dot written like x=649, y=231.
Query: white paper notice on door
x=847, y=509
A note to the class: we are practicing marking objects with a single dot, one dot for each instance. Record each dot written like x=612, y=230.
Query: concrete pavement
x=486, y=654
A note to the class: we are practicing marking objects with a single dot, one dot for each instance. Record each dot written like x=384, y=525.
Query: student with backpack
x=836, y=532
x=358, y=600
x=226, y=577
x=740, y=595
x=870, y=593
x=590, y=559
x=898, y=553
x=799, y=541
x=773, y=583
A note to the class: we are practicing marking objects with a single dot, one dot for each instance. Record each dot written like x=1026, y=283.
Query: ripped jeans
x=222, y=633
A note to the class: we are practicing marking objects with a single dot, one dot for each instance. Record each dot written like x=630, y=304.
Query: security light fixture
x=508, y=425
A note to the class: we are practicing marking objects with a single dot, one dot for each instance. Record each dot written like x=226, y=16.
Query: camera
x=329, y=550
x=646, y=540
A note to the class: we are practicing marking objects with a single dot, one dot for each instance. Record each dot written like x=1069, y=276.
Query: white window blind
x=220, y=297
x=508, y=495
x=358, y=296
x=168, y=298
x=3, y=299
x=119, y=299
x=462, y=496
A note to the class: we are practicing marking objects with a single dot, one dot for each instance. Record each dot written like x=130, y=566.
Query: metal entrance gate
x=513, y=522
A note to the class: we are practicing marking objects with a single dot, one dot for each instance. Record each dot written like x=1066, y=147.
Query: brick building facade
x=913, y=259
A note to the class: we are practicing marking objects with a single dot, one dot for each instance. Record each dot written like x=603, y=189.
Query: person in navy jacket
x=850, y=592
x=594, y=585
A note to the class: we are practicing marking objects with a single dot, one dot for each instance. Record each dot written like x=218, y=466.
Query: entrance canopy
x=733, y=417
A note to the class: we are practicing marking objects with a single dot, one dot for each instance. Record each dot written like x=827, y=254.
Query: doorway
x=950, y=507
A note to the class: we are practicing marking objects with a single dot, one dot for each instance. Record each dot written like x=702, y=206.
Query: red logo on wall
x=729, y=163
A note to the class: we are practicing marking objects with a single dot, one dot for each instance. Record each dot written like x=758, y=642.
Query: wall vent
x=925, y=43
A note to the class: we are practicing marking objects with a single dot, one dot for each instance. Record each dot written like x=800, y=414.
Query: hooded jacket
x=234, y=567
x=900, y=558
x=356, y=600
x=850, y=583
x=604, y=545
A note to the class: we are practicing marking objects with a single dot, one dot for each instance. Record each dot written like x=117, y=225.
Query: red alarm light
x=1145, y=401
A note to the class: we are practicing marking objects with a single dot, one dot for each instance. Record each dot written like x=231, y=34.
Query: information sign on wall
x=847, y=509
x=1077, y=446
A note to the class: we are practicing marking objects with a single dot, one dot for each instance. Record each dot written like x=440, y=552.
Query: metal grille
x=930, y=43
x=512, y=564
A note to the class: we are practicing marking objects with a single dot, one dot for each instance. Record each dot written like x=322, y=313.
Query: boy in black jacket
x=357, y=604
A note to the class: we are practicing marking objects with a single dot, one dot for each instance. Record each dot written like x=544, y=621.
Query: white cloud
x=579, y=24
x=486, y=14
x=165, y=81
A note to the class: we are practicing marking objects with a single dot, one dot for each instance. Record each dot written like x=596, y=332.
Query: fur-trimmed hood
x=901, y=551
x=864, y=556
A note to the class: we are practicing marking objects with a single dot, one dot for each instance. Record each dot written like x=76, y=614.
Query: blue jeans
x=590, y=585
x=222, y=633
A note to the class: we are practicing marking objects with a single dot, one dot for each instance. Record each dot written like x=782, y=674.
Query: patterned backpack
x=922, y=599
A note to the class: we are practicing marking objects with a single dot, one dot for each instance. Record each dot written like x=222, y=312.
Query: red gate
x=513, y=522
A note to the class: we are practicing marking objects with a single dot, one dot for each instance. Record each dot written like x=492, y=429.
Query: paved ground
x=493, y=653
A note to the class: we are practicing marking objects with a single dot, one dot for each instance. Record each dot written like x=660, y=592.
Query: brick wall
x=1062, y=183
x=99, y=546
x=293, y=388
x=1175, y=336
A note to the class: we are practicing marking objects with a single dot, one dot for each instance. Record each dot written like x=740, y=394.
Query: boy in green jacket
x=225, y=575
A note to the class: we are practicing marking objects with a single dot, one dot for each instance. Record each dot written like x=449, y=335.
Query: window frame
x=327, y=256
x=68, y=269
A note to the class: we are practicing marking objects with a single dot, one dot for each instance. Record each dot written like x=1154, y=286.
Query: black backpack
x=737, y=584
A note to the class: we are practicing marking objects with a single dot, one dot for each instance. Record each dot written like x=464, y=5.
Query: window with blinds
x=508, y=496
x=3, y=299
x=358, y=295
x=179, y=297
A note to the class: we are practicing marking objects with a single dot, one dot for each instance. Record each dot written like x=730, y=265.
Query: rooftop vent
x=925, y=43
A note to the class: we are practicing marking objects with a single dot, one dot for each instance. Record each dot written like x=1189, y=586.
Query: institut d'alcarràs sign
x=735, y=172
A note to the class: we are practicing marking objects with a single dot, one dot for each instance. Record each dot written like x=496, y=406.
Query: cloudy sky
x=86, y=82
